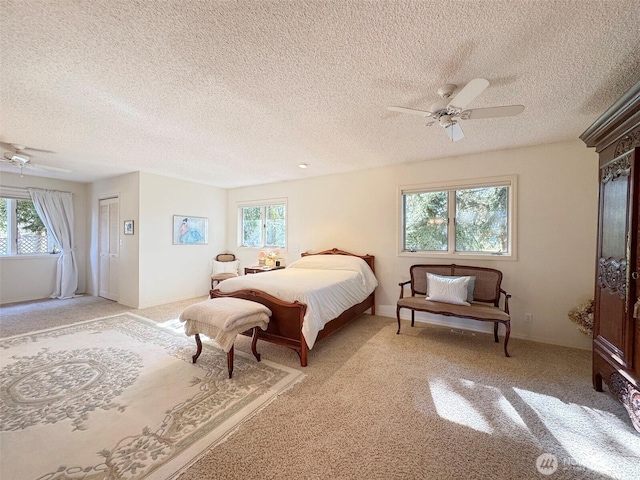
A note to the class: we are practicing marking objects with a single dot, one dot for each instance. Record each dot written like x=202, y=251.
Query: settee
x=481, y=302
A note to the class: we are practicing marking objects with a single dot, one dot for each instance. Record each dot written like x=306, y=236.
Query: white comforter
x=327, y=284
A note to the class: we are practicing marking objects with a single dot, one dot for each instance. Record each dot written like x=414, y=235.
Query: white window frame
x=12, y=195
x=263, y=204
x=510, y=181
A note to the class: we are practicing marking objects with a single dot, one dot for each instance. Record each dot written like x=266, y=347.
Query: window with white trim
x=21, y=229
x=475, y=217
x=263, y=224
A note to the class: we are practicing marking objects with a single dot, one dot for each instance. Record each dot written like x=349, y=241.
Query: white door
x=109, y=249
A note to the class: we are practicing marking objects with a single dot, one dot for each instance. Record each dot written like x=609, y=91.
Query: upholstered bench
x=477, y=298
x=222, y=319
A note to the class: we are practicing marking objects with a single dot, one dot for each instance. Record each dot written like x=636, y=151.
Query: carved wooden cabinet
x=616, y=332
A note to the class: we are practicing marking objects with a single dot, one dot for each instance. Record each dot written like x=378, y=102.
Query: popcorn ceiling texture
x=235, y=93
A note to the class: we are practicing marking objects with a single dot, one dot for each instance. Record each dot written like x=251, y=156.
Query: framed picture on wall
x=190, y=230
x=128, y=227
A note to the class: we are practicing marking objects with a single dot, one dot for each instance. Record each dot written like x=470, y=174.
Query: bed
x=311, y=298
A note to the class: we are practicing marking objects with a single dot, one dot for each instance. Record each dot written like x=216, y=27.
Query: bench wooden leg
x=495, y=332
x=229, y=355
x=254, y=342
x=230, y=361
x=199, y=349
x=398, y=316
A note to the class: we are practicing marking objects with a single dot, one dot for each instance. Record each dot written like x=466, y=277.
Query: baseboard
x=471, y=325
x=171, y=300
x=33, y=299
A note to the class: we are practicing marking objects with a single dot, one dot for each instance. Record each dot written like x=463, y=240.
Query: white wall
x=126, y=188
x=557, y=223
x=175, y=272
x=153, y=271
x=34, y=277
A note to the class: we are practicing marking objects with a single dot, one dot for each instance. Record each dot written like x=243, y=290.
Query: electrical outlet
x=528, y=318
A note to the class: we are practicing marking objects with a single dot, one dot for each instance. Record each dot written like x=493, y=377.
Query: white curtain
x=56, y=211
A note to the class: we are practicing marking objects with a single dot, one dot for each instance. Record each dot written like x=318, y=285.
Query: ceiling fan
x=17, y=157
x=448, y=111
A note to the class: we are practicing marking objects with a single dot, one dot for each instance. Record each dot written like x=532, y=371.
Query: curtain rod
x=49, y=190
x=21, y=192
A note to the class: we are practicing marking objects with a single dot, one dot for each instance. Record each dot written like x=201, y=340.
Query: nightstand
x=259, y=269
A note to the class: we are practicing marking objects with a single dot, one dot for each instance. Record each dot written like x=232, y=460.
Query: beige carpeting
x=428, y=403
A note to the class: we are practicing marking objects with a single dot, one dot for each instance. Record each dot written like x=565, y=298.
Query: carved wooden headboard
x=334, y=251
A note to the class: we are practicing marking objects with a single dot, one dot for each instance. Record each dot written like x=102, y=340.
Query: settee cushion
x=477, y=311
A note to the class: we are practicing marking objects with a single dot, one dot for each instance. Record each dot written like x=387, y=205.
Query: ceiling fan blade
x=492, y=112
x=10, y=146
x=454, y=132
x=39, y=166
x=468, y=93
x=18, y=147
x=41, y=150
x=411, y=111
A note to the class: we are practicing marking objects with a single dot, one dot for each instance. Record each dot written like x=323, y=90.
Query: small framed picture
x=128, y=227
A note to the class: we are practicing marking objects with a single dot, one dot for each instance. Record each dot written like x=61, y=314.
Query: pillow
x=225, y=267
x=447, y=289
x=470, y=286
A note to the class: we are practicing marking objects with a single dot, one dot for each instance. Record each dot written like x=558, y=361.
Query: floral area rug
x=118, y=398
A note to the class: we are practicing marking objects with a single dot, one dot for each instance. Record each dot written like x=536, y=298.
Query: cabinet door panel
x=617, y=220
x=614, y=218
x=610, y=329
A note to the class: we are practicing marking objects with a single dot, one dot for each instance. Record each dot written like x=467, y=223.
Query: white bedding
x=327, y=284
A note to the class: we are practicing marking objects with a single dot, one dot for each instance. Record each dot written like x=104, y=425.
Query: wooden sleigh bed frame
x=285, y=326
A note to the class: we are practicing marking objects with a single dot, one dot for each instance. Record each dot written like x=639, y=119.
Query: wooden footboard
x=285, y=326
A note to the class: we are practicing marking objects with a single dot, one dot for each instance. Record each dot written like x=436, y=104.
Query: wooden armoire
x=616, y=330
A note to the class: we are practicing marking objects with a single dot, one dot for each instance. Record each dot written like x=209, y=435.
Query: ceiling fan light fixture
x=20, y=158
x=454, y=132
x=446, y=121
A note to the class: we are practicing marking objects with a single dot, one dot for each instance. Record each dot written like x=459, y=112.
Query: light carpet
x=118, y=397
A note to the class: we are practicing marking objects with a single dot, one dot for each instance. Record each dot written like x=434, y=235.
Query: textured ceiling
x=235, y=93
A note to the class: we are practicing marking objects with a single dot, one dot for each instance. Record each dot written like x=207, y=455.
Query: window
x=21, y=230
x=263, y=225
x=453, y=219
